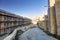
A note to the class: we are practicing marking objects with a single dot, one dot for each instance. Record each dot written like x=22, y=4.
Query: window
x=5, y=18
x=0, y=18
x=0, y=27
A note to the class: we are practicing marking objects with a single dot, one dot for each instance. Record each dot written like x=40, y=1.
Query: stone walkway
x=35, y=34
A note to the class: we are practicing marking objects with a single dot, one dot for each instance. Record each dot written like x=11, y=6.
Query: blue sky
x=28, y=8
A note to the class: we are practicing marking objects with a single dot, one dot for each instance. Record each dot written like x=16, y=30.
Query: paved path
x=35, y=34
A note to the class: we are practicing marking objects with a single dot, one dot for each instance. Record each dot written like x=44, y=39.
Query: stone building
x=9, y=21
x=54, y=16
x=44, y=23
x=57, y=9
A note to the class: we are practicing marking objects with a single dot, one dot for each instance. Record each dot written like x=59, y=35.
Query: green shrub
x=19, y=32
